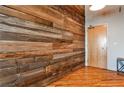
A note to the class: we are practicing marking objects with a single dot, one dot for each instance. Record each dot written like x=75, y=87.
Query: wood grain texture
x=73, y=11
x=52, y=15
x=39, y=44
x=89, y=77
x=97, y=46
x=22, y=15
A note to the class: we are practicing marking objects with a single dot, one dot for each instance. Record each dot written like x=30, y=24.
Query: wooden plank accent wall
x=40, y=44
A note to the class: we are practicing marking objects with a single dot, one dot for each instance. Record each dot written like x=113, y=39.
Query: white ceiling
x=107, y=11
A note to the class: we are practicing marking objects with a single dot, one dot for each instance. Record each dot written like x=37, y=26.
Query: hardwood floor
x=90, y=76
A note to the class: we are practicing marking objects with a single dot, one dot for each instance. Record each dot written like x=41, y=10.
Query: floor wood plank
x=90, y=76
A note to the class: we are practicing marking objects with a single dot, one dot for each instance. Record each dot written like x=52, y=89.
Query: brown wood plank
x=22, y=15
x=13, y=21
x=42, y=12
x=90, y=77
x=8, y=71
x=14, y=46
x=8, y=81
x=73, y=27
x=5, y=63
x=22, y=54
x=4, y=28
x=30, y=77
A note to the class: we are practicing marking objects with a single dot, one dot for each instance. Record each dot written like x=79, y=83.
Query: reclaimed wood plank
x=27, y=24
x=30, y=77
x=27, y=34
x=42, y=12
x=74, y=45
x=8, y=81
x=23, y=54
x=7, y=28
x=11, y=46
x=5, y=63
x=8, y=71
x=71, y=26
x=22, y=15
x=66, y=56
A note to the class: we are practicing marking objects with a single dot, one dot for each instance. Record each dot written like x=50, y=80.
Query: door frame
x=107, y=45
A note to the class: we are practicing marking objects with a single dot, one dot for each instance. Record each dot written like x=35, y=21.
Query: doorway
x=97, y=46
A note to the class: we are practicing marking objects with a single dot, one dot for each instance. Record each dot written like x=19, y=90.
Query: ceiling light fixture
x=96, y=7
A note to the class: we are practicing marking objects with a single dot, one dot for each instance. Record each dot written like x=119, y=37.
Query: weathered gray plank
x=7, y=28
x=30, y=77
x=8, y=71
x=30, y=25
x=6, y=81
x=5, y=63
x=23, y=64
x=17, y=33
x=27, y=24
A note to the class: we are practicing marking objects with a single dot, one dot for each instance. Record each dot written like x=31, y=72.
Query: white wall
x=115, y=37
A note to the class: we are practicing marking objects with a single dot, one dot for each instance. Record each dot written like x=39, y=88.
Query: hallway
x=90, y=76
